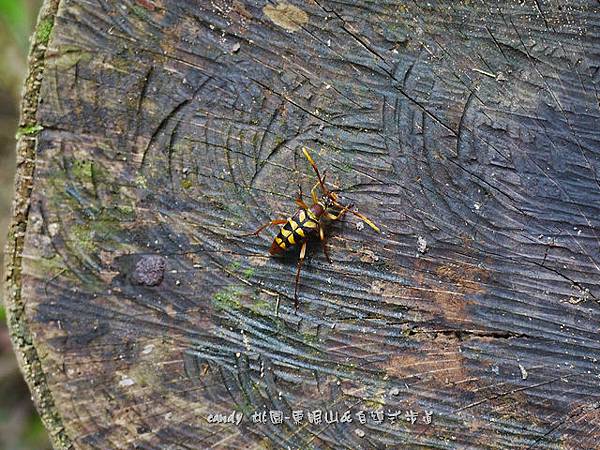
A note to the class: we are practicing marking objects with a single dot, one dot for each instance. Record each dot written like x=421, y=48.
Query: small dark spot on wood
x=149, y=270
x=143, y=429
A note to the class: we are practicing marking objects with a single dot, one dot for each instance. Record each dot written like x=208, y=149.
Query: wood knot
x=149, y=270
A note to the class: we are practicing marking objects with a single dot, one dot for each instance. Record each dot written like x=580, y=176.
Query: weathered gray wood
x=467, y=130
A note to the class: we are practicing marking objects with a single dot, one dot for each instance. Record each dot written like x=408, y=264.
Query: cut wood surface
x=155, y=133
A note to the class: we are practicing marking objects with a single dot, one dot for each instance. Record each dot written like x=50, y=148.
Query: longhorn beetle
x=308, y=221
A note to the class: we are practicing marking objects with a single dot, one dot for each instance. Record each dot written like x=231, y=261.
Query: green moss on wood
x=44, y=29
x=141, y=182
x=228, y=298
x=29, y=130
x=82, y=170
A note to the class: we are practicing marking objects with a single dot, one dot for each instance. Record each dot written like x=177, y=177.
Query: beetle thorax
x=318, y=209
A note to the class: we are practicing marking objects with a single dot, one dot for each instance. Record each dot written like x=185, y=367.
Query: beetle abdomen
x=295, y=231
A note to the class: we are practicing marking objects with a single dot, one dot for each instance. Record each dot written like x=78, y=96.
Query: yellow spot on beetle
x=291, y=239
x=310, y=224
x=285, y=232
x=302, y=216
x=293, y=224
x=312, y=215
x=300, y=232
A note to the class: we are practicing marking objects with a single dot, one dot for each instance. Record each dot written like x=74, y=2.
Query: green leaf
x=15, y=15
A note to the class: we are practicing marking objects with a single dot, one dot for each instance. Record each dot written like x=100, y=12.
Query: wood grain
x=468, y=131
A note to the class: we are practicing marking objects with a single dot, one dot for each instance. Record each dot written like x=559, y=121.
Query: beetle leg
x=268, y=224
x=340, y=214
x=313, y=193
x=300, y=261
x=324, y=244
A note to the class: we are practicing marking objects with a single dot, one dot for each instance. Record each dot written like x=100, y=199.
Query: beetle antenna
x=316, y=169
x=366, y=220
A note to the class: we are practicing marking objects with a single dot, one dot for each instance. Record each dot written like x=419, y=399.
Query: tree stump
x=155, y=133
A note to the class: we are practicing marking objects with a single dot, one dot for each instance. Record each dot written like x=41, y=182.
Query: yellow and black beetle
x=307, y=221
